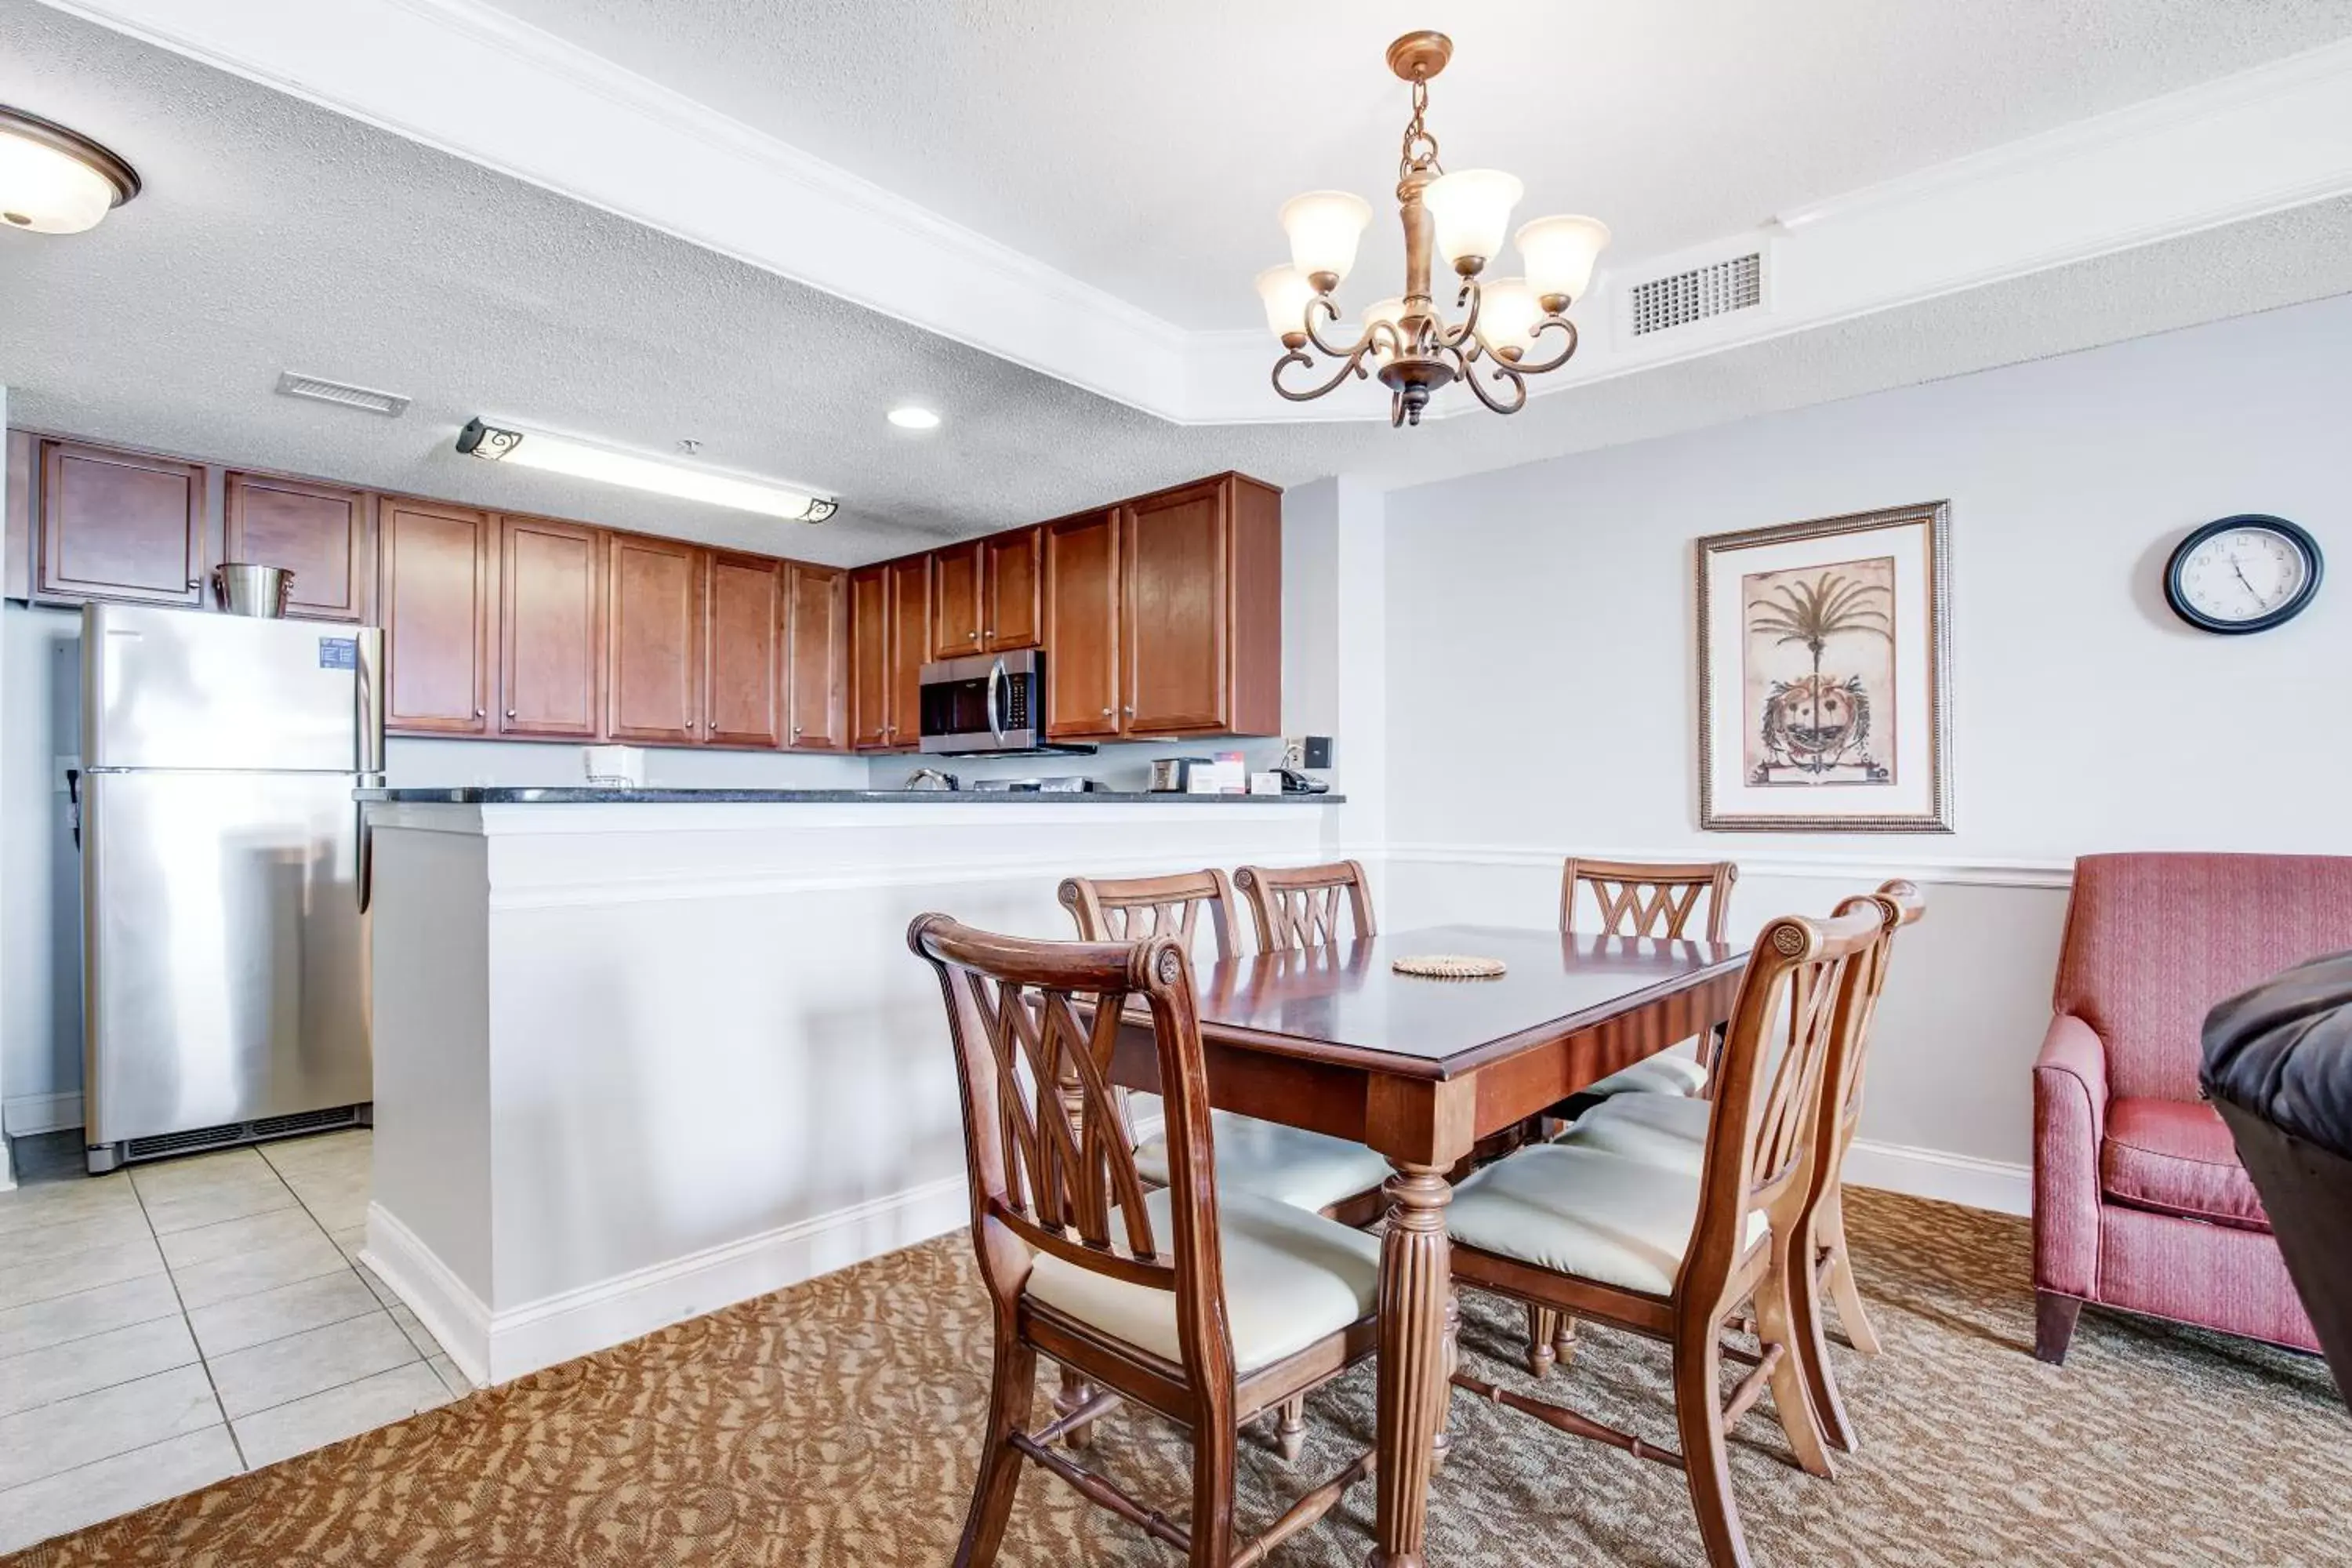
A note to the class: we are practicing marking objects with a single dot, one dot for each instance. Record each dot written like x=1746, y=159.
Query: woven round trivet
x=1449, y=966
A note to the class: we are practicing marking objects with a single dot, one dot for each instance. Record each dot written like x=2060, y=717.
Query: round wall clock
x=2244, y=574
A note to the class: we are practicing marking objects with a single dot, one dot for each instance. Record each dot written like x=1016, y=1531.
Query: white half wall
x=1541, y=693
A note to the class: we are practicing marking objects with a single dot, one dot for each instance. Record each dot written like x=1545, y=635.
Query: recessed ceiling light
x=56, y=181
x=907, y=416
x=562, y=455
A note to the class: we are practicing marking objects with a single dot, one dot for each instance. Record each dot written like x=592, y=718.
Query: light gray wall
x=1541, y=682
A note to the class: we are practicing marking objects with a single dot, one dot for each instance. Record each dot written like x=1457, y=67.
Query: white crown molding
x=472, y=81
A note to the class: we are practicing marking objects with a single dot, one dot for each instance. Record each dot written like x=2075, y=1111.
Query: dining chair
x=1208, y=1308
x=1334, y=1176
x=1677, y=1256
x=1673, y=1133
x=1298, y=906
x=1651, y=899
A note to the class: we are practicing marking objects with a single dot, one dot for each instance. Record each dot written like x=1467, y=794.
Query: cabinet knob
x=478, y=713
x=1130, y=710
x=975, y=636
x=511, y=712
x=796, y=729
x=1106, y=712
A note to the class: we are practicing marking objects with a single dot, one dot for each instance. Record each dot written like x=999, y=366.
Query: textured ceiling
x=274, y=235
x=1145, y=149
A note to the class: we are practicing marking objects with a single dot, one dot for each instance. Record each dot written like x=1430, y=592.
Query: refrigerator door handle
x=371, y=703
x=364, y=853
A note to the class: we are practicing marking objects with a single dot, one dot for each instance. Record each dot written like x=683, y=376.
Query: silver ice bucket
x=244, y=589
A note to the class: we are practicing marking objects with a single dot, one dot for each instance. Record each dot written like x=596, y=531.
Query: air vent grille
x=391, y=405
x=236, y=1132
x=1716, y=289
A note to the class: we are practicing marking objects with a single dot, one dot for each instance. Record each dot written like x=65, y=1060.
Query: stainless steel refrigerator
x=223, y=941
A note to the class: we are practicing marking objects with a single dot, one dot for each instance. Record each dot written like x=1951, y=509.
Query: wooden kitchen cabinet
x=957, y=594
x=119, y=526
x=436, y=570
x=324, y=534
x=817, y=609
x=550, y=628
x=1163, y=617
x=987, y=595
x=653, y=647
x=743, y=659
x=1083, y=606
x=891, y=635
x=1013, y=583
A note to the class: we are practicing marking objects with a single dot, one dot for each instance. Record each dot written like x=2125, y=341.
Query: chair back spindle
x=1140, y=907
x=1299, y=907
x=1644, y=899
x=1799, y=1001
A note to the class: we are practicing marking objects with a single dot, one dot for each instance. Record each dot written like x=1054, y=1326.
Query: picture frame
x=1824, y=675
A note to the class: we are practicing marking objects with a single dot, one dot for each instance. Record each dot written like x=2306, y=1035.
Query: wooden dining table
x=1333, y=1039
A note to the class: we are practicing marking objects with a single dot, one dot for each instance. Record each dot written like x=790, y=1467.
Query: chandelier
x=1463, y=216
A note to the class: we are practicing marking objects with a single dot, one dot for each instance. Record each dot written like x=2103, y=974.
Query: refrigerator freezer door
x=224, y=954
x=182, y=689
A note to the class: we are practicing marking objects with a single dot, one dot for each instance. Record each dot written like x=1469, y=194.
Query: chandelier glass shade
x=1498, y=338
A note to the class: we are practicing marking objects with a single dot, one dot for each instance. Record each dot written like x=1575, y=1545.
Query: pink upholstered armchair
x=2139, y=1201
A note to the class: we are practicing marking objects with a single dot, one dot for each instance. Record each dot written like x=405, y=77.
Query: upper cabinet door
x=1013, y=612
x=1178, y=579
x=437, y=571
x=322, y=533
x=910, y=613
x=817, y=611
x=115, y=525
x=956, y=597
x=869, y=658
x=1081, y=626
x=653, y=671
x=744, y=683
x=22, y=458
x=550, y=628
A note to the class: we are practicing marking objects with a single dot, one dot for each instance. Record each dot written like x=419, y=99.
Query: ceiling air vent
x=391, y=405
x=1717, y=289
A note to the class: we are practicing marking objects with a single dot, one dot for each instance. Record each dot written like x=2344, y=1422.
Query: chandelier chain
x=1420, y=146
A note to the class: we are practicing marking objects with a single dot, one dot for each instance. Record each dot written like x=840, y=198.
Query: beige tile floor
x=168, y=1326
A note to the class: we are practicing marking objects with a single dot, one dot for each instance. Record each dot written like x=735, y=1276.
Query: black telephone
x=1295, y=783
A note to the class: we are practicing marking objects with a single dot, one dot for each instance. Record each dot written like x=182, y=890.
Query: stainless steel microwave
x=988, y=703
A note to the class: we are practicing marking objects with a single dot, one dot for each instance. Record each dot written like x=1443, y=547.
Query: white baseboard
x=30, y=1113
x=494, y=1347
x=1932, y=1173
x=449, y=1310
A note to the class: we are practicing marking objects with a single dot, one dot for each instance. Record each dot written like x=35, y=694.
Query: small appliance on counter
x=1064, y=783
x=931, y=779
x=1172, y=775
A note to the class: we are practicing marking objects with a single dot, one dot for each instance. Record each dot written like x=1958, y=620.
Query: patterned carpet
x=833, y=1425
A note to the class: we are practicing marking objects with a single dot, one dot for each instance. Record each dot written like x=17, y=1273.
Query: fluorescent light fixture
x=562, y=455
x=907, y=416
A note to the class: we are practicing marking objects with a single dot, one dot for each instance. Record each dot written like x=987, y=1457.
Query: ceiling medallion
x=1463, y=215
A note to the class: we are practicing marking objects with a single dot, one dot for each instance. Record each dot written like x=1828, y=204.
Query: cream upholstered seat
x=1586, y=1213
x=1292, y=1278
x=1305, y=1170
x=1681, y=1076
x=1662, y=1130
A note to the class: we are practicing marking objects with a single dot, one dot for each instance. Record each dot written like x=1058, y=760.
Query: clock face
x=2242, y=574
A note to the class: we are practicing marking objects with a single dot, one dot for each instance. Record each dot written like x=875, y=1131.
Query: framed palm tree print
x=1826, y=669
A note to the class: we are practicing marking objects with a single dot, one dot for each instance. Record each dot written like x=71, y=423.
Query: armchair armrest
x=2070, y=1114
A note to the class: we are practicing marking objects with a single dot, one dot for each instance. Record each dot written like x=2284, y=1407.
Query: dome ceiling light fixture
x=56, y=181
x=1463, y=215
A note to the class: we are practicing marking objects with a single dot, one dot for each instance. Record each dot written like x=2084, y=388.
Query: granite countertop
x=599, y=795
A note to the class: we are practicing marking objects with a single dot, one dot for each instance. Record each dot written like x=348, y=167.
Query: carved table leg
x=1416, y=1299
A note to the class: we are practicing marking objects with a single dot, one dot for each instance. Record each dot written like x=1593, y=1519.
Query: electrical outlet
x=1294, y=750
